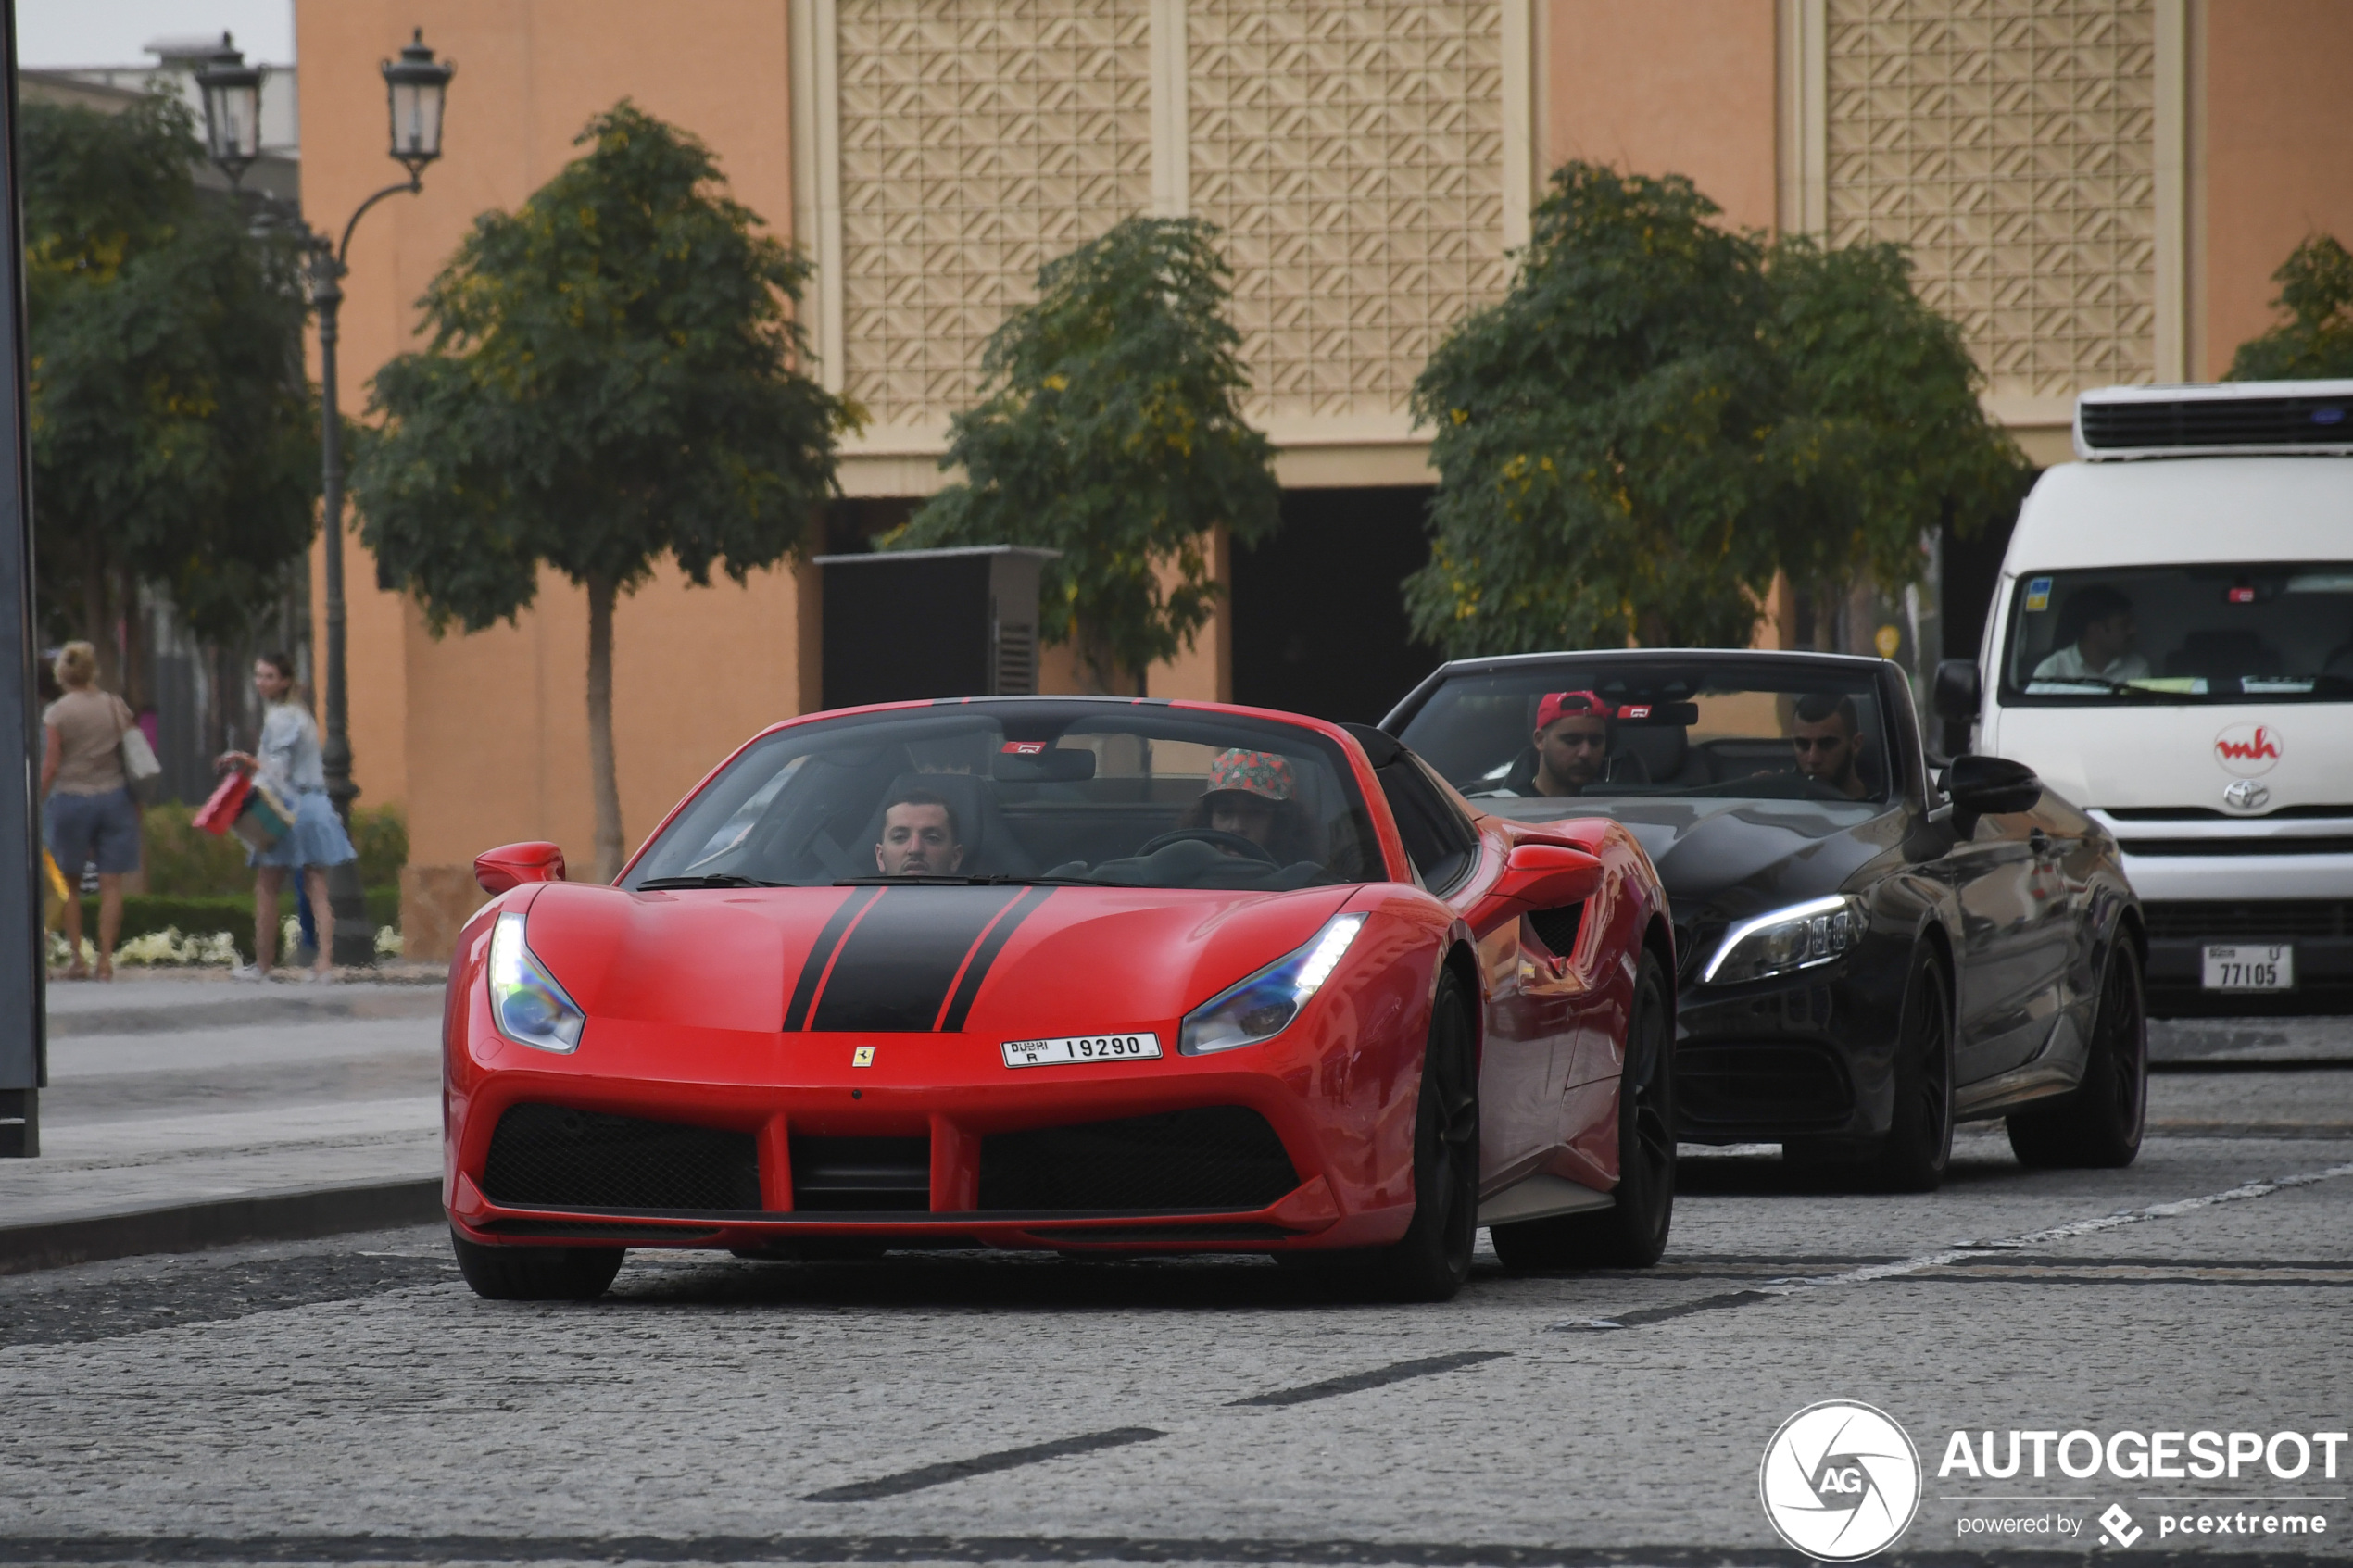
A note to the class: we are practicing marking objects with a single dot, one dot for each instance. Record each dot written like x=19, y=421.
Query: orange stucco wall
x=2270, y=167
x=485, y=738
x=1667, y=86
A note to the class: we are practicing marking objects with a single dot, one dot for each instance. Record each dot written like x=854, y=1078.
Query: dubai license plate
x=1082, y=1048
x=2250, y=969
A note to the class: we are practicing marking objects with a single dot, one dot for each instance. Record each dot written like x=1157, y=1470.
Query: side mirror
x=1984, y=785
x=512, y=865
x=1959, y=694
x=1547, y=876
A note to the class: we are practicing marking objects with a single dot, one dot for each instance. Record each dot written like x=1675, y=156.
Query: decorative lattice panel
x=2009, y=143
x=978, y=143
x=1354, y=155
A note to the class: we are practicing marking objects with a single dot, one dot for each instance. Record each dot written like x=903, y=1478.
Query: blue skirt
x=316, y=839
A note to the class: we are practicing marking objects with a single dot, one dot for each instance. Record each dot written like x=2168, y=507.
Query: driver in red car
x=1251, y=794
x=918, y=837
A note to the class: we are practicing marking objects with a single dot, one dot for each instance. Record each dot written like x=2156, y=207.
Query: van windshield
x=2275, y=632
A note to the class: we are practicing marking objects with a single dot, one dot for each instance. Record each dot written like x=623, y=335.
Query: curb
x=297, y=1215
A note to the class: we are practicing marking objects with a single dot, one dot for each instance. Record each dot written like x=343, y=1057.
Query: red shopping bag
x=220, y=813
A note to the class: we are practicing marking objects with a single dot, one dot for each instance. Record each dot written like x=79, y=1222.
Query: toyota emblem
x=2246, y=795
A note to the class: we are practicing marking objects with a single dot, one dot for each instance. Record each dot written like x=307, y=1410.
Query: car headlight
x=1787, y=940
x=1262, y=1005
x=532, y=1009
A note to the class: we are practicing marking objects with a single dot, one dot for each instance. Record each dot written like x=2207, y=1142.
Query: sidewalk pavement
x=189, y=1112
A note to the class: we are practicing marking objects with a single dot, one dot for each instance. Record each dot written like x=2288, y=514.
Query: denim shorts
x=103, y=828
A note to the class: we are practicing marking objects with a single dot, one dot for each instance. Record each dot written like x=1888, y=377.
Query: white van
x=2171, y=647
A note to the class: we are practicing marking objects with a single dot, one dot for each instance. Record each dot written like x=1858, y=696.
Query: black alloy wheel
x=536, y=1274
x=2099, y=1125
x=1431, y=1262
x=1918, y=1145
x=1632, y=1233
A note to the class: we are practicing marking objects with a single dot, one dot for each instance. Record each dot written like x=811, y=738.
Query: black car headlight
x=531, y=1008
x=1262, y=1005
x=1785, y=941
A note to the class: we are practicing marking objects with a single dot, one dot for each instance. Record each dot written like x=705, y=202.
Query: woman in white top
x=288, y=756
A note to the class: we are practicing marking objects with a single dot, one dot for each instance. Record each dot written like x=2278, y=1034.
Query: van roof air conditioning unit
x=2220, y=419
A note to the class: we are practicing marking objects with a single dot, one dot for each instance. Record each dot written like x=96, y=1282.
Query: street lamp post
x=415, y=86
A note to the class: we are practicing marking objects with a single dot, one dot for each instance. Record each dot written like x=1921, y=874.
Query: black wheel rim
x=1455, y=1166
x=2125, y=1042
x=1646, y=1163
x=1933, y=1101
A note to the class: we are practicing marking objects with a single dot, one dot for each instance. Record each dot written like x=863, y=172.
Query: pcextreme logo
x=1840, y=1480
x=2247, y=750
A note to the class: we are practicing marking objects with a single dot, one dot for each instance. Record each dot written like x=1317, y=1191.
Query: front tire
x=1632, y=1233
x=536, y=1274
x=1918, y=1146
x=2099, y=1125
x=1432, y=1260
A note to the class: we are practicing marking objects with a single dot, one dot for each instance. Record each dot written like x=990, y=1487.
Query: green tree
x=1112, y=431
x=174, y=436
x=1661, y=415
x=2316, y=341
x=612, y=377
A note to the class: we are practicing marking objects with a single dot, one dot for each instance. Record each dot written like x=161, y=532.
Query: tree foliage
x=1661, y=415
x=2316, y=341
x=1112, y=431
x=174, y=436
x=612, y=378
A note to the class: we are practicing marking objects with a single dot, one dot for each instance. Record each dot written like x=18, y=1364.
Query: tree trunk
x=601, y=594
x=97, y=625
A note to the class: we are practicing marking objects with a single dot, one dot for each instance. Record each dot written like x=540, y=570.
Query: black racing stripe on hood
x=894, y=970
x=812, y=969
x=960, y=1006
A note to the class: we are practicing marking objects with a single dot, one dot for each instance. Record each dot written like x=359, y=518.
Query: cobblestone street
x=347, y=1399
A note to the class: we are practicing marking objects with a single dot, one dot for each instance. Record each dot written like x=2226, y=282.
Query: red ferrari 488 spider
x=1092, y=974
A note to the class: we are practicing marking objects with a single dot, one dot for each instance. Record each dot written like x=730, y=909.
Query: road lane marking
x=1961, y=1252
x=1396, y=1372
x=985, y=1464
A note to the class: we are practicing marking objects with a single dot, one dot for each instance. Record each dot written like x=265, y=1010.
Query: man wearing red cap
x=1572, y=742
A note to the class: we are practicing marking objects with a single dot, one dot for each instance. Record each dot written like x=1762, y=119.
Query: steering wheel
x=1213, y=836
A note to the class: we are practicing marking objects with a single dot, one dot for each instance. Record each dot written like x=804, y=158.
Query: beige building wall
x=2096, y=188
x=2269, y=165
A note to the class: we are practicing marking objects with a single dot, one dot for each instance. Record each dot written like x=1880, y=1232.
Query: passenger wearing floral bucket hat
x=1251, y=794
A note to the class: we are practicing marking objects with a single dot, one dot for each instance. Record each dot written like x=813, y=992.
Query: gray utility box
x=924, y=623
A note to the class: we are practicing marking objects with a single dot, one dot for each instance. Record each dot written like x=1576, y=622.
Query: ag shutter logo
x=2247, y=750
x=1840, y=1481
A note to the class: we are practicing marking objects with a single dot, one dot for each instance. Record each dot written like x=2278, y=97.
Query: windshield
x=1027, y=790
x=1611, y=728
x=2182, y=635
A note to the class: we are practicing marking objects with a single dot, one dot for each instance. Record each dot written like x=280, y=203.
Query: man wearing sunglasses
x=1826, y=738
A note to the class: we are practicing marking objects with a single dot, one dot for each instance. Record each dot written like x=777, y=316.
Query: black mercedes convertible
x=1870, y=947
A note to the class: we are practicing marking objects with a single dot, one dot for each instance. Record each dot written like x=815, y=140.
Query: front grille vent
x=2211, y=813
x=860, y=1176
x=2282, y=918
x=1221, y=1157
x=552, y=1155
x=2309, y=424
x=1769, y=1085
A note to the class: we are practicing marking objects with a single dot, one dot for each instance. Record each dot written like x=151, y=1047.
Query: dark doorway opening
x=1972, y=567
x=1319, y=618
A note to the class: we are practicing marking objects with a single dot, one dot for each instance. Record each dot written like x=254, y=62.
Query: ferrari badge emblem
x=862, y=1057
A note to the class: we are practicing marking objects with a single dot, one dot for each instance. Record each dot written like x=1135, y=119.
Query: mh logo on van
x=2247, y=750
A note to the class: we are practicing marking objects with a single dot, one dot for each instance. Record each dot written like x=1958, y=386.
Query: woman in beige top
x=91, y=817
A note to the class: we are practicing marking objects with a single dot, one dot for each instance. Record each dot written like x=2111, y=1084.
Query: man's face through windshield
x=919, y=838
x=1825, y=743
